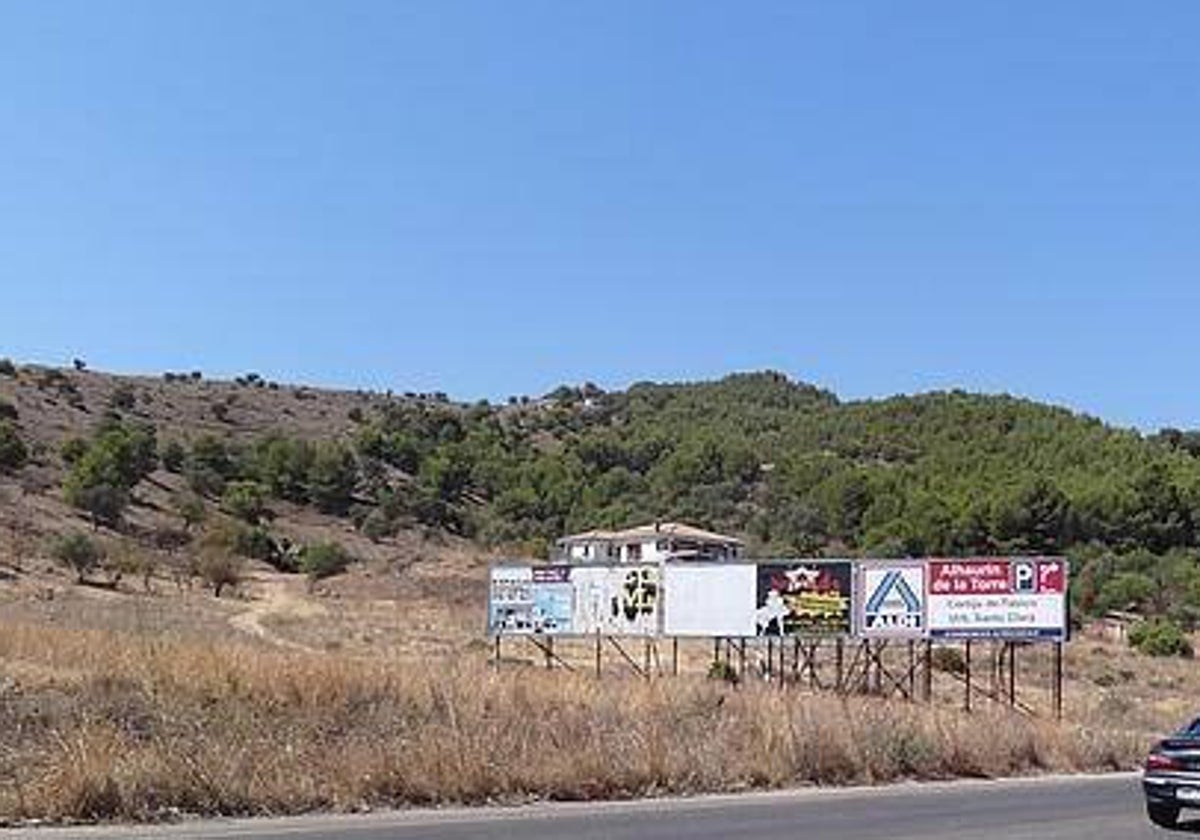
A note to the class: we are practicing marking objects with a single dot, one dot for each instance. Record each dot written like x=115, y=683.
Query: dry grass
x=104, y=725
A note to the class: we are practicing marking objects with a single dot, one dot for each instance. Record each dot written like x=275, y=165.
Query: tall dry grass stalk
x=100, y=725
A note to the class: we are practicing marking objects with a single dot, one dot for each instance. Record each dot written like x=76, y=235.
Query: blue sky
x=494, y=198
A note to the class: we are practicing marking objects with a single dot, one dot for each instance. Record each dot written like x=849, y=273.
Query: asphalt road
x=1060, y=808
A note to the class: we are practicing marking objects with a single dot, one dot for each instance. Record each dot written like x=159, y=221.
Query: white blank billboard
x=709, y=600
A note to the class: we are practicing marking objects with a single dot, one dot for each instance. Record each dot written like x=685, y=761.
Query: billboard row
x=985, y=598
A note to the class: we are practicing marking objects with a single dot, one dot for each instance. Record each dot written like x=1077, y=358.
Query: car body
x=1171, y=776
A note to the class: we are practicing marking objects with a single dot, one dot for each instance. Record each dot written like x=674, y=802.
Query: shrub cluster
x=79, y=551
x=1160, y=637
x=13, y=452
x=105, y=469
x=324, y=559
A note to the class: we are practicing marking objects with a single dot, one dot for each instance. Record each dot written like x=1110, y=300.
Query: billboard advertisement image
x=529, y=600
x=797, y=598
x=709, y=600
x=616, y=600
x=892, y=600
x=510, y=600
x=998, y=598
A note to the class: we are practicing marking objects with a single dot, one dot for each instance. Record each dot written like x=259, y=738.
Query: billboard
x=528, y=600
x=616, y=600
x=979, y=598
x=800, y=598
x=997, y=598
x=891, y=601
x=706, y=600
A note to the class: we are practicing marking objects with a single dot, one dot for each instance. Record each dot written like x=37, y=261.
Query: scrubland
x=114, y=725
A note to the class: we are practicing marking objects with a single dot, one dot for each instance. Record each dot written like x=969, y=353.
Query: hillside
x=786, y=465
x=331, y=656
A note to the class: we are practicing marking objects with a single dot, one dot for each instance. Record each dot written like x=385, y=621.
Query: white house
x=648, y=544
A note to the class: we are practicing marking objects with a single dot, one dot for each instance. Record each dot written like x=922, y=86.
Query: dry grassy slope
x=181, y=410
x=413, y=590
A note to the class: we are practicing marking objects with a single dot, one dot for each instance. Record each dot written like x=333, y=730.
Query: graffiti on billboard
x=616, y=600
x=803, y=598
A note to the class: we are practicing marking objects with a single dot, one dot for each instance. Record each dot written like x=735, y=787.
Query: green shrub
x=219, y=570
x=283, y=465
x=13, y=453
x=245, y=500
x=1126, y=591
x=257, y=544
x=376, y=526
x=7, y=368
x=113, y=463
x=210, y=464
x=723, y=671
x=123, y=397
x=324, y=559
x=950, y=660
x=191, y=509
x=79, y=551
x=1160, y=637
x=72, y=450
x=173, y=456
x=104, y=503
x=332, y=476
x=8, y=411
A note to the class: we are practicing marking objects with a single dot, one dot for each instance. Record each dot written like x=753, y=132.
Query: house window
x=633, y=551
x=661, y=545
x=614, y=552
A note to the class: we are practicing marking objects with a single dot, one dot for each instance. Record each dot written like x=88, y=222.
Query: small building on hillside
x=648, y=544
x=1113, y=626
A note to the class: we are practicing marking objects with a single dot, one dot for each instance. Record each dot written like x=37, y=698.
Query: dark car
x=1171, y=779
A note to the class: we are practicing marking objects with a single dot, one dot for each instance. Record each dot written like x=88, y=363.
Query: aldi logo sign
x=893, y=600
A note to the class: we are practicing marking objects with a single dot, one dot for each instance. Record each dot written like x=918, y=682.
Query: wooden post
x=912, y=671
x=967, y=674
x=877, y=683
x=599, y=646
x=1058, y=680
x=840, y=663
x=497, y=653
x=928, y=672
x=549, y=651
x=742, y=659
x=1012, y=673
x=675, y=656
